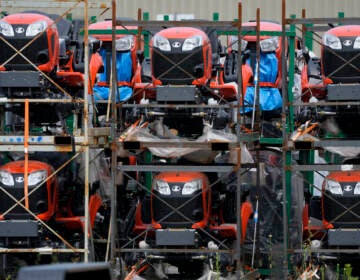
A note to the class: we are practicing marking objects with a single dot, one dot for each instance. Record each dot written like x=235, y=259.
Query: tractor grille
x=37, y=52
x=174, y=219
x=335, y=208
x=38, y=201
x=176, y=67
x=334, y=63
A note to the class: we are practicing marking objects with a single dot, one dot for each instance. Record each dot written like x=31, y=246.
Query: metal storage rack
x=309, y=28
x=230, y=28
x=83, y=142
x=79, y=142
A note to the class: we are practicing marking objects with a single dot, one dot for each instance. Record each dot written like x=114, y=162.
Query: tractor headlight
x=35, y=178
x=333, y=187
x=6, y=29
x=234, y=44
x=6, y=178
x=357, y=188
x=269, y=45
x=162, y=187
x=332, y=41
x=191, y=187
x=357, y=43
x=124, y=43
x=192, y=43
x=36, y=28
x=161, y=43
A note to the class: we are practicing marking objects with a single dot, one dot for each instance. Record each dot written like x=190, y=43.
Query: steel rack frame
x=77, y=143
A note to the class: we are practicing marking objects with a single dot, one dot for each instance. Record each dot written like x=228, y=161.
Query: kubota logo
x=347, y=43
x=19, y=30
x=176, y=44
x=348, y=188
x=19, y=179
x=176, y=188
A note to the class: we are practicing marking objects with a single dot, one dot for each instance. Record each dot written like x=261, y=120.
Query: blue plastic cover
x=123, y=66
x=102, y=93
x=124, y=74
x=270, y=98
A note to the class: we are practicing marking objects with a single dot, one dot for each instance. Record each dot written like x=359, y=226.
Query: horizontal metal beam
x=183, y=143
x=161, y=143
x=324, y=103
x=155, y=26
x=324, y=167
x=328, y=251
x=349, y=20
x=41, y=143
x=177, y=251
x=44, y=250
x=95, y=4
x=172, y=168
x=226, y=25
x=180, y=106
x=322, y=144
x=5, y=100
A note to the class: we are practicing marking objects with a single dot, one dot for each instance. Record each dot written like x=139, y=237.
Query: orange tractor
x=42, y=57
x=338, y=211
x=185, y=70
x=43, y=209
x=334, y=78
x=184, y=214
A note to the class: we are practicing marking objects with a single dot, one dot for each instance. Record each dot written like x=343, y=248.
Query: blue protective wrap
x=102, y=93
x=124, y=74
x=270, y=98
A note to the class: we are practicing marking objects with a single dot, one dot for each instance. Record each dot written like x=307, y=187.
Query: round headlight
x=269, y=45
x=191, y=43
x=234, y=43
x=161, y=43
x=357, y=188
x=6, y=29
x=333, y=187
x=162, y=187
x=124, y=43
x=357, y=43
x=37, y=177
x=332, y=41
x=191, y=187
x=6, y=178
x=36, y=28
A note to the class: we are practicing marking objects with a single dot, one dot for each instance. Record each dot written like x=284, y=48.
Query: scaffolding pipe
x=238, y=176
x=284, y=132
x=113, y=84
x=256, y=106
x=86, y=140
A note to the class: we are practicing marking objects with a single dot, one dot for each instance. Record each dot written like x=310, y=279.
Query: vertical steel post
x=238, y=173
x=139, y=33
x=285, y=131
x=256, y=106
x=146, y=16
x=240, y=95
x=307, y=157
x=86, y=140
x=113, y=82
x=307, y=36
